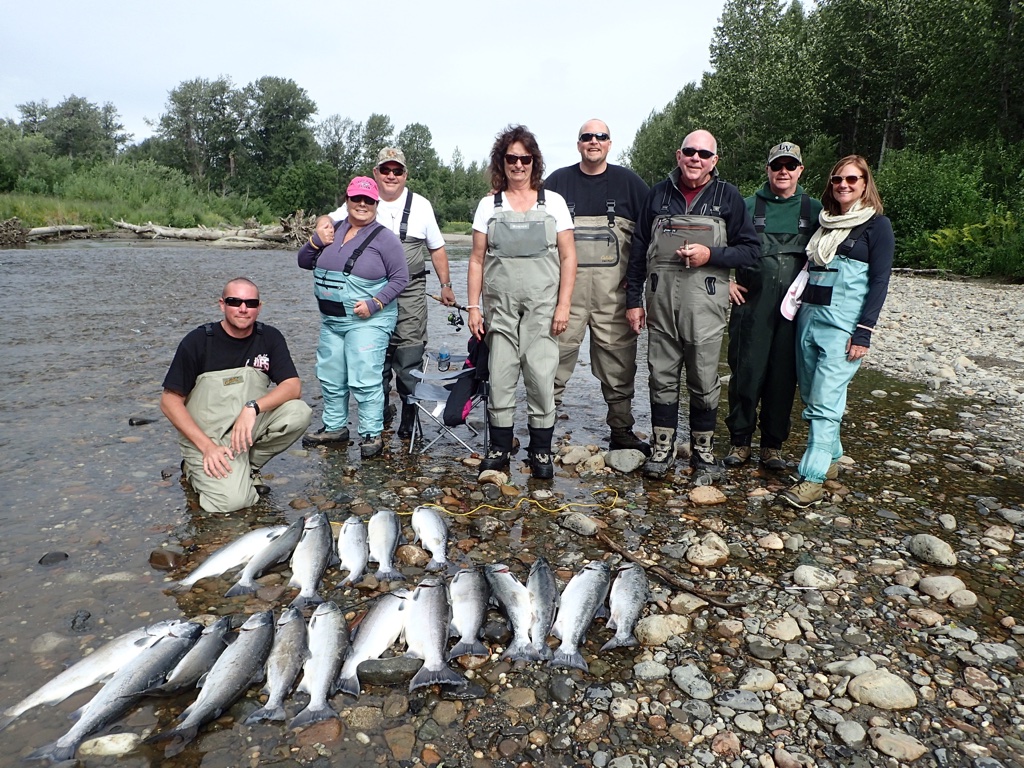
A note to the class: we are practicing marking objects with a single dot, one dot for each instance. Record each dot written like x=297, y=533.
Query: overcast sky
x=464, y=68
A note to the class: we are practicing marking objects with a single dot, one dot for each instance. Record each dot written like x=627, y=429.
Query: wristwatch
x=446, y=285
x=254, y=405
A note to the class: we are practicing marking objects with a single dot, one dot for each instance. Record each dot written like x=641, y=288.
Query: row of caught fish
x=173, y=657
x=309, y=545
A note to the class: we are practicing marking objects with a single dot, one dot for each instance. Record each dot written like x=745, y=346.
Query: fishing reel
x=456, y=320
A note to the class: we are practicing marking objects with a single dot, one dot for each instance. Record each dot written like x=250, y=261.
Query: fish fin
x=468, y=649
x=309, y=716
x=436, y=565
x=617, y=642
x=543, y=651
x=610, y=624
x=521, y=650
x=391, y=575
x=241, y=589
x=349, y=685
x=180, y=588
x=302, y=602
x=440, y=676
x=565, y=659
x=266, y=713
x=53, y=752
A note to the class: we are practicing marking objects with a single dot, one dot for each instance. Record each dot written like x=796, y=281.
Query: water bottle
x=444, y=358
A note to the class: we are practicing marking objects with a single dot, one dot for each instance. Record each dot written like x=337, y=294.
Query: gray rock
x=996, y=653
x=851, y=667
x=881, y=688
x=741, y=701
x=812, y=576
x=963, y=598
x=940, y=587
x=896, y=744
x=691, y=681
x=851, y=733
x=931, y=549
x=625, y=460
x=748, y=722
x=757, y=679
x=699, y=710
x=393, y=671
x=577, y=522
x=650, y=670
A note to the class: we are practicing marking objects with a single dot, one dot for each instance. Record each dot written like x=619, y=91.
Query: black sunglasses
x=851, y=180
x=524, y=159
x=234, y=301
x=778, y=165
x=363, y=199
x=705, y=154
x=585, y=137
x=392, y=170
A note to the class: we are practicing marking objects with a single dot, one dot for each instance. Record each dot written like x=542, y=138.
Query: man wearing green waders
x=762, y=343
x=218, y=396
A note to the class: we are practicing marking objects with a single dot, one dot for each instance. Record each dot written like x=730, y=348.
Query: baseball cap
x=363, y=185
x=785, y=149
x=390, y=155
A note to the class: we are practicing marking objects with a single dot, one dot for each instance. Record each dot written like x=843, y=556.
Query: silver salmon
x=431, y=615
x=544, y=602
x=432, y=533
x=378, y=631
x=312, y=555
x=197, y=662
x=582, y=597
x=231, y=556
x=277, y=551
x=384, y=531
x=288, y=654
x=629, y=595
x=353, y=550
x=515, y=599
x=328, y=646
x=469, y=595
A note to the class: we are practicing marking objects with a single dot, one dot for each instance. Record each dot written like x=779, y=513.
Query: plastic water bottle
x=444, y=358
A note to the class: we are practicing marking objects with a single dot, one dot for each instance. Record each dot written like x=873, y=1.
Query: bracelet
x=446, y=285
x=312, y=243
x=378, y=302
x=865, y=328
x=473, y=306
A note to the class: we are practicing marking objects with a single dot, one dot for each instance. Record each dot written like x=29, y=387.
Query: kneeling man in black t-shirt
x=217, y=394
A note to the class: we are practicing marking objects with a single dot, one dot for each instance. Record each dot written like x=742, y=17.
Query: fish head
x=289, y=614
x=257, y=620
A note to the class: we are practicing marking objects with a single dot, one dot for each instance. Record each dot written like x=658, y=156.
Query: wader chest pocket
x=518, y=239
x=329, y=293
x=817, y=294
x=596, y=246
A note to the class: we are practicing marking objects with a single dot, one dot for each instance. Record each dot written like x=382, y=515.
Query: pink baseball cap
x=363, y=185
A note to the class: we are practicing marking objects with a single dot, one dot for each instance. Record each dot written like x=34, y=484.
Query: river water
x=91, y=328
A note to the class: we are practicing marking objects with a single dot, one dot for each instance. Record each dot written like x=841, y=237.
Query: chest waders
x=762, y=343
x=599, y=302
x=521, y=276
x=686, y=316
x=832, y=304
x=350, y=354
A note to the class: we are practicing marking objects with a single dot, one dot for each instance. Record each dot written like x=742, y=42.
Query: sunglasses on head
x=778, y=165
x=851, y=180
x=363, y=199
x=392, y=170
x=234, y=301
x=587, y=137
x=524, y=159
x=704, y=154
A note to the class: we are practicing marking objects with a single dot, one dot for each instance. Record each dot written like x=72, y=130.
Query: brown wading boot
x=324, y=436
x=833, y=471
x=499, y=451
x=370, y=446
x=663, y=454
x=702, y=451
x=623, y=438
x=541, y=464
x=803, y=495
x=771, y=458
x=738, y=456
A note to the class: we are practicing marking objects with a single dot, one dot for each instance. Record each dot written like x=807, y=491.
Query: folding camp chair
x=447, y=399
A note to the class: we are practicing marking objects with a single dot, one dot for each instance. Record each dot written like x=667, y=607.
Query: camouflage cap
x=785, y=149
x=390, y=155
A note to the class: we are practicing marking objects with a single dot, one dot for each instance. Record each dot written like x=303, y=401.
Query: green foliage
x=992, y=247
x=306, y=186
x=77, y=128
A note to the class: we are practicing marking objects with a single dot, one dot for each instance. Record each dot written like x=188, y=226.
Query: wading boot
x=738, y=456
x=702, y=452
x=541, y=464
x=408, y=418
x=623, y=438
x=803, y=495
x=663, y=453
x=324, y=436
x=389, y=412
x=771, y=458
x=370, y=446
x=833, y=471
x=499, y=452
x=262, y=489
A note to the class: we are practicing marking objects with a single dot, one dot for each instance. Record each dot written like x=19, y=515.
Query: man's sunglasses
x=524, y=159
x=392, y=170
x=705, y=154
x=588, y=137
x=363, y=199
x=778, y=165
x=851, y=180
x=234, y=301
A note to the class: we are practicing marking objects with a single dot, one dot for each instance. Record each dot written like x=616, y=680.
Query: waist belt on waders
x=523, y=237
x=327, y=287
x=822, y=294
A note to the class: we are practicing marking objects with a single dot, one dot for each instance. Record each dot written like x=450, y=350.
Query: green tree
x=309, y=186
x=341, y=142
x=652, y=153
x=77, y=128
x=416, y=141
x=377, y=134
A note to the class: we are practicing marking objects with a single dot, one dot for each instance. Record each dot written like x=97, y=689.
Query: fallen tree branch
x=62, y=229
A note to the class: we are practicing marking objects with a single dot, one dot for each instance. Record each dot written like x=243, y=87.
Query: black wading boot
x=499, y=451
x=542, y=466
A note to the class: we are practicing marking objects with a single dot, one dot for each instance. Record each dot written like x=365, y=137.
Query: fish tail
x=629, y=641
x=521, y=650
x=569, y=659
x=389, y=575
x=302, y=601
x=440, y=676
x=311, y=715
x=543, y=651
x=180, y=587
x=241, y=589
x=7, y=720
x=436, y=565
x=464, y=648
x=266, y=713
x=349, y=685
x=55, y=752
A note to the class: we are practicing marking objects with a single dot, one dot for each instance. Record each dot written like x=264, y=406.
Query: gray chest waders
x=599, y=302
x=521, y=277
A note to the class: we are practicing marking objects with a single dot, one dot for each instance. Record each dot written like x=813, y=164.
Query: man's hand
x=242, y=431
x=736, y=292
x=637, y=318
x=448, y=296
x=694, y=255
x=217, y=460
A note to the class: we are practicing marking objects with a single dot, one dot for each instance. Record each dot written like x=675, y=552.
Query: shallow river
x=90, y=330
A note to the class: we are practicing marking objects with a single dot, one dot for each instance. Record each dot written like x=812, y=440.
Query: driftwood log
x=57, y=231
x=253, y=236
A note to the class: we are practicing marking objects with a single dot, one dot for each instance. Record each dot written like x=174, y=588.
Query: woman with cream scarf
x=849, y=262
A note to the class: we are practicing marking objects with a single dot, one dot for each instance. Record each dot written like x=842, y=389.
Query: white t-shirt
x=554, y=204
x=422, y=223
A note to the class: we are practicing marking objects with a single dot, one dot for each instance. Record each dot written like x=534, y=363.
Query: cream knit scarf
x=834, y=230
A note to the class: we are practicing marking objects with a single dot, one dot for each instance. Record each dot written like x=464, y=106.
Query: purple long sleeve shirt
x=383, y=257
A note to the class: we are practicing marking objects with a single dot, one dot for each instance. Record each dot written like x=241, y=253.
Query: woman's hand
x=560, y=321
x=855, y=352
x=325, y=230
x=361, y=309
x=476, y=323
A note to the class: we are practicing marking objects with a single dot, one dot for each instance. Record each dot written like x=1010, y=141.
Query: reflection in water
x=88, y=343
